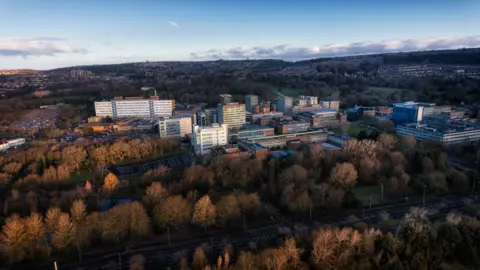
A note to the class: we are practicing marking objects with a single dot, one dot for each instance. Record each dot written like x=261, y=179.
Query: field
x=81, y=176
x=363, y=193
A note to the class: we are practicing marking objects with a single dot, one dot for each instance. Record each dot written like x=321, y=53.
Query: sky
x=46, y=34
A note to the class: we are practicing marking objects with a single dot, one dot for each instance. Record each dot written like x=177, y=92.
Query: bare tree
x=64, y=236
x=199, y=259
x=174, y=212
x=137, y=262
x=343, y=175
x=51, y=219
x=204, y=212
x=155, y=194
x=227, y=209
x=13, y=239
x=35, y=230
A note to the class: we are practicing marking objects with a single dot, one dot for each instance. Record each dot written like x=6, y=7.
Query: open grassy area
x=81, y=176
x=363, y=193
x=353, y=130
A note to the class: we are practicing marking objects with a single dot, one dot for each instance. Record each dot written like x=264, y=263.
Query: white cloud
x=287, y=52
x=174, y=24
x=36, y=47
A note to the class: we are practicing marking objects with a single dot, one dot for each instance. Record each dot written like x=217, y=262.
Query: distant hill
x=470, y=56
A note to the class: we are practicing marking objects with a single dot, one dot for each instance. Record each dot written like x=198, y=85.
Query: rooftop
x=413, y=104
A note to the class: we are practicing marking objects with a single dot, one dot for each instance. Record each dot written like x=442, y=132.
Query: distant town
x=167, y=164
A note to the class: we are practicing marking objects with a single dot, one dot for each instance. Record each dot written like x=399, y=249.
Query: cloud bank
x=39, y=46
x=292, y=53
x=174, y=24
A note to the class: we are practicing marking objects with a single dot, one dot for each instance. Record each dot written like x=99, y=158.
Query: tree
x=51, y=219
x=204, y=212
x=73, y=157
x=199, y=259
x=249, y=204
x=64, y=236
x=78, y=211
x=139, y=222
x=175, y=212
x=154, y=194
x=343, y=175
x=387, y=141
x=246, y=261
x=12, y=168
x=296, y=175
x=35, y=231
x=13, y=239
x=137, y=262
x=367, y=168
x=110, y=183
x=227, y=209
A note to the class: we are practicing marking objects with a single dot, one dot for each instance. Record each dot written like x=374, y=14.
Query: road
x=163, y=255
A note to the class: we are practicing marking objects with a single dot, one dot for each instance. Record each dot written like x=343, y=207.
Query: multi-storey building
x=175, y=126
x=204, y=138
x=442, y=133
x=307, y=100
x=411, y=112
x=135, y=107
x=288, y=127
x=320, y=118
x=225, y=98
x=80, y=73
x=250, y=102
x=251, y=132
x=207, y=117
x=232, y=114
x=11, y=143
x=284, y=104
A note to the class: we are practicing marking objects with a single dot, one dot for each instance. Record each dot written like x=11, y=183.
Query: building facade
x=207, y=117
x=204, y=138
x=250, y=102
x=175, y=126
x=440, y=134
x=292, y=127
x=252, y=132
x=225, y=98
x=231, y=114
x=284, y=104
x=411, y=112
x=11, y=143
x=119, y=108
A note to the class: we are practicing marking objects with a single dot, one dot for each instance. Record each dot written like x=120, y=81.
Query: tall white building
x=127, y=107
x=204, y=138
x=231, y=114
x=175, y=126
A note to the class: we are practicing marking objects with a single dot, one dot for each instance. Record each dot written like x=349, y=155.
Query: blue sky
x=43, y=34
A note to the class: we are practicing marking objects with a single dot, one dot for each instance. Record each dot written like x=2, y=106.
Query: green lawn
x=363, y=193
x=384, y=90
x=80, y=176
x=354, y=130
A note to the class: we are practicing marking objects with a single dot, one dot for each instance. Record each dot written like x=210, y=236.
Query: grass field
x=81, y=176
x=363, y=194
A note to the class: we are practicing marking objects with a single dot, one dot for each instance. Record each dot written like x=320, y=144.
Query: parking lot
x=173, y=163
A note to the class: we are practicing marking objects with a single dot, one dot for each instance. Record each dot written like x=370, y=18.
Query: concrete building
x=204, y=138
x=250, y=102
x=284, y=104
x=307, y=100
x=256, y=150
x=11, y=144
x=230, y=151
x=319, y=118
x=282, y=140
x=446, y=133
x=338, y=139
x=207, y=117
x=231, y=114
x=268, y=116
x=411, y=112
x=251, y=132
x=288, y=127
x=225, y=98
x=174, y=126
x=128, y=107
